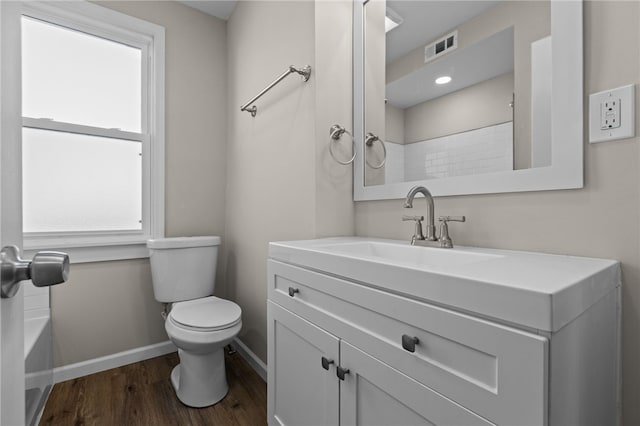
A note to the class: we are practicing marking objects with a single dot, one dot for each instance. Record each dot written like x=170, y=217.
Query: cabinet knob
x=293, y=291
x=341, y=372
x=326, y=363
x=409, y=342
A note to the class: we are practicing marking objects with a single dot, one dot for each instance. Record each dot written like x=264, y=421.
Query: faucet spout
x=430, y=227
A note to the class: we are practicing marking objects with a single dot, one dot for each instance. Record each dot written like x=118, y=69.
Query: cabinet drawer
x=495, y=371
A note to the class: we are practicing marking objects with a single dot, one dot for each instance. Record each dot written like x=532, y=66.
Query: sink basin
x=536, y=290
x=408, y=255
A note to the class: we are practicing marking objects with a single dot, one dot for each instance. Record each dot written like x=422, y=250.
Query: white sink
x=408, y=255
x=540, y=291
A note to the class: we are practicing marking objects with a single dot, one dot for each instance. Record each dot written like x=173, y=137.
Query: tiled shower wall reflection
x=485, y=150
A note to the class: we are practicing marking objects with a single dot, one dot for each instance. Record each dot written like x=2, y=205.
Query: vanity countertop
x=535, y=290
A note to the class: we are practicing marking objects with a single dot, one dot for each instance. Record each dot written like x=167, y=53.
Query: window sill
x=99, y=253
x=91, y=250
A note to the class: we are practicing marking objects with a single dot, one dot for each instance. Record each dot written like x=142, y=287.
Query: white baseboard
x=253, y=360
x=79, y=369
x=96, y=365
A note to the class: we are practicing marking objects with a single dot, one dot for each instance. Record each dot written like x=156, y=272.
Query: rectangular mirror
x=467, y=97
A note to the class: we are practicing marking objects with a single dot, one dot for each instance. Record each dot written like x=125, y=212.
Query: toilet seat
x=206, y=314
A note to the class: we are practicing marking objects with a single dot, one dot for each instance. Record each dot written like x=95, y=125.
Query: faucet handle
x=417, y=233
x=446, y=219
x=445, y=240
x=416, y=218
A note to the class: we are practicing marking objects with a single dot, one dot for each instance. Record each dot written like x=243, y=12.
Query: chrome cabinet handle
x=409, y=342
x=326, y=363
x=293, y=291
x=46, y=269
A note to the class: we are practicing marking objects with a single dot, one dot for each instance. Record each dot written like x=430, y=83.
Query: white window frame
x=150, y=38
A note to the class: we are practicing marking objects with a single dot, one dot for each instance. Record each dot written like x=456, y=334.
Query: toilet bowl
x=200, y=325
x=200, y=329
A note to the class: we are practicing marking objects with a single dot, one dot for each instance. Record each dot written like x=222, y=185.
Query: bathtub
x=38, y=359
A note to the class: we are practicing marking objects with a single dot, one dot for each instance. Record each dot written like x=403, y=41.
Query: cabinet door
x=373, y=393
x=300, y=390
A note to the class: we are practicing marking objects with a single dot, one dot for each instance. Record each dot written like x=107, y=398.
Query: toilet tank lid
x=183, y=242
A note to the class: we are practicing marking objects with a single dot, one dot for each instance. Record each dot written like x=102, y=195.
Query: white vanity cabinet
x=342, y=351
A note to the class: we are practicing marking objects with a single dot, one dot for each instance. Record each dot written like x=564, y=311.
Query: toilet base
x=200, y=380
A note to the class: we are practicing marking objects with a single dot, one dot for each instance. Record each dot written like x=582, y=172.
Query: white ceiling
x=422, y=24
x=482, y=61
x=424, y=21
x=219, y=8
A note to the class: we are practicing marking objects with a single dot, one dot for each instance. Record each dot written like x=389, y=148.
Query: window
x=93, y=131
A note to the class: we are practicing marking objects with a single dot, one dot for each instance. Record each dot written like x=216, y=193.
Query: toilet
x=183, y=271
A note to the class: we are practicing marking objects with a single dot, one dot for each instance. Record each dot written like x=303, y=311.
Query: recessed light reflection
x=443, y=80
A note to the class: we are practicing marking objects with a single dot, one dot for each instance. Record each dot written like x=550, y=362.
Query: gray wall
x=270, y=179
x=601, y=220
x=281, y=182
x=108, y=307
x=481, y=105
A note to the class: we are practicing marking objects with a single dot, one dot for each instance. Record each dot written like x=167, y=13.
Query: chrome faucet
x=429, y=239
x=430, y=227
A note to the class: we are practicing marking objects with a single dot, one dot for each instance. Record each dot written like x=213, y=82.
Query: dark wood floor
x=141, y=394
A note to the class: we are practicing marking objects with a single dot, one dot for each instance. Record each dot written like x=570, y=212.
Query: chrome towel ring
x=369, y=140
x=336, y=133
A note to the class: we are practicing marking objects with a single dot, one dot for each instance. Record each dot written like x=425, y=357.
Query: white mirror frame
x=566, y=170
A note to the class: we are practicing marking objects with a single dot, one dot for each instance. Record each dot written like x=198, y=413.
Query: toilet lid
x=206, y=314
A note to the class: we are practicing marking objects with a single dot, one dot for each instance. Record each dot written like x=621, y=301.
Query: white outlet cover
x=626, y=95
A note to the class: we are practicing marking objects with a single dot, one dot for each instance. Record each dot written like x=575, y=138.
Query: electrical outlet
x=612, y=114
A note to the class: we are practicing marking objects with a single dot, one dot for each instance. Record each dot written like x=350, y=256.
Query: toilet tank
x=183, y=268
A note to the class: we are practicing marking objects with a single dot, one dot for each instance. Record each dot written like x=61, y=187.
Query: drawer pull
x=293, y=291
x=409, y=342
x=326, y=363
x=341, y=372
